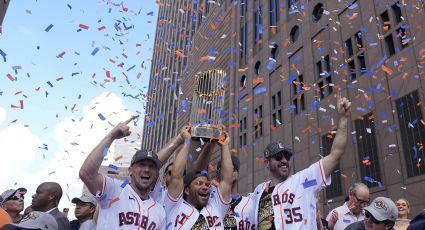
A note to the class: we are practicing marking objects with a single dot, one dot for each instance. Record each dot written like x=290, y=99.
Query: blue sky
x=59, y=124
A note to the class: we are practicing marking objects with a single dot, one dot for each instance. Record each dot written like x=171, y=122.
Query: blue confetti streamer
x=105, y=151
x=3, y=54
x=69, y=6
x=48, y=28
x=113, y=167
x=131, y=68
x=50, y=84
x=309, y=183
x=101, y=117
x=94, y=52
x=125, y=183
x=260, y=90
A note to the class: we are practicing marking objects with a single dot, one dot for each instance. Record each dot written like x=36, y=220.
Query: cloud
x=18, y=146
x=76, y=137
x=2, y=115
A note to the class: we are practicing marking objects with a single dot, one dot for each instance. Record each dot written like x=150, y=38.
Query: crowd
x=193, y=200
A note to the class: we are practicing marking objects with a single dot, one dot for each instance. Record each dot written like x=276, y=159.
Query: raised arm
x=204, y=157
x=89, y=171
x=175, y=188
x=225, y=185
x=170, y=147
x=338, y=147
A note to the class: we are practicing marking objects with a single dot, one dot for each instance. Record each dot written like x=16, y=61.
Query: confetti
x=101, y=117
x=49, y=28
x=309, y=183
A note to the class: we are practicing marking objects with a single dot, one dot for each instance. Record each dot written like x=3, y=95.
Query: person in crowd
x=380, y=214
x=403, y=208
x=417, y=223
x=190, y=203
x=4, y=218
x=288, y=201
x=12, y=201
x=85, y=207
x=137, y=207
x=34, y=220
x=351, y=211
x=46, y=199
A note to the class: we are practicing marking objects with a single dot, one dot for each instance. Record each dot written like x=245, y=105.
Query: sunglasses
x=279, y=156
x=206, y=183
x=16, y=197
x=375, y=221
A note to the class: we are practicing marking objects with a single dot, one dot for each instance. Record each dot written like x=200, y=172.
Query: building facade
x=286, y=59
x=3, y=8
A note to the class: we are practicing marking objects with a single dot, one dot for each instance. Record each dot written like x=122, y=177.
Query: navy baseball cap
x=192, y=176
x=275, y=148
x=146, y=155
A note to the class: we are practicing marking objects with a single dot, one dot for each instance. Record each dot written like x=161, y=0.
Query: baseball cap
x=6, y=195
x=235, y=161
x=146, y=155
x=382, y=209
x=85, y=199
x=38, y=220
x=275, y=148
x=192, y=176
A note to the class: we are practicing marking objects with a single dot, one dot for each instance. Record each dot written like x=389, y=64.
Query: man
x=351, y=211
x=85, y=207
x=123, y=205
x=12, y=201
x=289, y=201
x=190, y=203
x=46, y=199
x=34, y=220
x=238, y=215
x=381, y=214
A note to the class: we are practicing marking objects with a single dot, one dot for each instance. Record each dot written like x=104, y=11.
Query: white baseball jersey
x=181, y=215
x=292, y=203
x=122, y=208
x=240, y=214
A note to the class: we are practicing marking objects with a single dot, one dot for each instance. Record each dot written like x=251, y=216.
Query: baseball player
x=239, y=215
x=127, y=205
x=289, y=201
x=190, y=203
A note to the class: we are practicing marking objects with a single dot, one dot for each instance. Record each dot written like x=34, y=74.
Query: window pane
x=397, y=12
x=279, y=99
x=389, y=42
x=352, y=70
x=362, y=63
x=349, y=48
x=385, y=20
x=367, y=150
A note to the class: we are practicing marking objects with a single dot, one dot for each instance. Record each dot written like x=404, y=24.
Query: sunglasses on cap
x=375, y=221
x=280, y=155
x=15, y=197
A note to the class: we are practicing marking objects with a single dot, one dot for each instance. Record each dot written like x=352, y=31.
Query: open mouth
x=145, y=178
x=204, y=195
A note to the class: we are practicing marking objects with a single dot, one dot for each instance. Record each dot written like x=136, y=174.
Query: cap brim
x=375, y=213
x=157, y=162
x=75, y=200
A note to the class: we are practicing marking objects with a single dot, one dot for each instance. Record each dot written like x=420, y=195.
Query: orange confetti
x=59, y=79
x=101, y=28
x=118, y=158
x=387, y=70
x=124, y=55
x=113, y=201
x=60, y=55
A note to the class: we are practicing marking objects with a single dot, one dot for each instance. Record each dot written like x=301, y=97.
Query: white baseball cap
x=382, y=209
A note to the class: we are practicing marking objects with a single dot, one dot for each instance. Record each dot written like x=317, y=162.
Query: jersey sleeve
x=313, y=177
x=170, y=203
x=217, y=200
x=111, y=189
x=159, y=192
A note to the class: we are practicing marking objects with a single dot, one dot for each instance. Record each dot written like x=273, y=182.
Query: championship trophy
x=207, y=105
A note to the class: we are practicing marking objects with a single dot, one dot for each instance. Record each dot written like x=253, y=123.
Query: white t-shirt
x=239, y=215
x=181, y=215
x=292, y=204
x=345, y=217
x=122, y=208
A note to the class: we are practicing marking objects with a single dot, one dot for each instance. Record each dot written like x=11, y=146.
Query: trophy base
x=207, y=134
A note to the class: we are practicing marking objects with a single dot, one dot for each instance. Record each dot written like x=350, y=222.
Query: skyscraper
x=285, y=60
